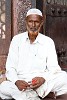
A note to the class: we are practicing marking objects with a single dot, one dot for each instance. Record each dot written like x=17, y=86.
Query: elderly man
x=32, y=68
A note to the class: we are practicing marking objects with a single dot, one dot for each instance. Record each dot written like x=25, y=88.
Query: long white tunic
x=26, y=60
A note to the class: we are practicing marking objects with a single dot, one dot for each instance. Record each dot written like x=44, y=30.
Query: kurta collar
x=38, y=39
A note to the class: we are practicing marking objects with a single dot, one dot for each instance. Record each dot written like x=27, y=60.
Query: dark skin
x=33, y=23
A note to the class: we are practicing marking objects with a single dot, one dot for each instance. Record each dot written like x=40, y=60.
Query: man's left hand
x=37, y=82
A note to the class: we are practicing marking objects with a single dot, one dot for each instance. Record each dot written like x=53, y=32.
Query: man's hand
x=21, y=85
x=37, y=82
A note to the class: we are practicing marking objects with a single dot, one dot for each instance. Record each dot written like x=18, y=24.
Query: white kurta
x=26, y=61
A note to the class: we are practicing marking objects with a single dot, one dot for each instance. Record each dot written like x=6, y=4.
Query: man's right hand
x=21, y=85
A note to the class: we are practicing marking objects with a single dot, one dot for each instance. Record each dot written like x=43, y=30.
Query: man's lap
x=6, y=88
x=60, y=97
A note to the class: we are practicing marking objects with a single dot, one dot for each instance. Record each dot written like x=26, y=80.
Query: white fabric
x=26, y=61
x=58, y=85
x=10, y=91
x=34, y=11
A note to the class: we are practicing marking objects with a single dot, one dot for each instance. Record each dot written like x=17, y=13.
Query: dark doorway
x=56, y=26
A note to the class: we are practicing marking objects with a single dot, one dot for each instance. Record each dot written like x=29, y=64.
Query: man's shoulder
x=45, y=38
x=19, y=38
x=20, y=35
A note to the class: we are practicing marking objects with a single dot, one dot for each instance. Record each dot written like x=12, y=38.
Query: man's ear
x=42, y=21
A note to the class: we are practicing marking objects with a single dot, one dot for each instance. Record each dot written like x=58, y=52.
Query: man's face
x=34, y=23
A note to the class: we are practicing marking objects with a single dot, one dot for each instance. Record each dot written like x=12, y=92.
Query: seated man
x=32, y=68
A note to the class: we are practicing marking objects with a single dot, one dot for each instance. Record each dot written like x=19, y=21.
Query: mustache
x=33, y=29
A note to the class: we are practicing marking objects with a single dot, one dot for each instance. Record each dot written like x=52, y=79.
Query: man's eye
x=30, y=21
x=37, y=22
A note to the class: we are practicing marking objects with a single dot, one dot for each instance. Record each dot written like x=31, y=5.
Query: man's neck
x=32, y=39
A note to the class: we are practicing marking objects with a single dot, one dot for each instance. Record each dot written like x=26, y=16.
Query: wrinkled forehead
x=34, y=17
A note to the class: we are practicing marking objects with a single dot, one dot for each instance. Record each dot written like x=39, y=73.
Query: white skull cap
x=34, y=11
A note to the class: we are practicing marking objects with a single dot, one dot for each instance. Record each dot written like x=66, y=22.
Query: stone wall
x=23, y=6
x=19, y=9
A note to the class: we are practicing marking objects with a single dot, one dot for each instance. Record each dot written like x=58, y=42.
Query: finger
x=34, y=86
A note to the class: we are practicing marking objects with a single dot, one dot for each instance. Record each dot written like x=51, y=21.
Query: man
x=32, y=68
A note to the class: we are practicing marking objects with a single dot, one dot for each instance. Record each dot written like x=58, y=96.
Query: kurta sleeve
x=12, y=61
x=52, y=60
x=52, y=66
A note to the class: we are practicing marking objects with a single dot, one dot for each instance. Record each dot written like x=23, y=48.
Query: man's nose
x=33, y=23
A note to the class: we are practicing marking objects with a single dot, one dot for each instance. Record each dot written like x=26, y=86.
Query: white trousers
x=57, y=84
